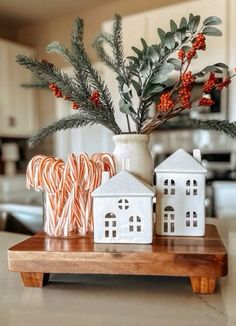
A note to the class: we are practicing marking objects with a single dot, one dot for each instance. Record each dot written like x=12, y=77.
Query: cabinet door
x=232, y=59
x=4, y=88
x=17, y=104
x=216, y=47
x=21, y=110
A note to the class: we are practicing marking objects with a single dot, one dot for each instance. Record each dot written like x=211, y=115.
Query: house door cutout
x=169, y=220
x=110, y=226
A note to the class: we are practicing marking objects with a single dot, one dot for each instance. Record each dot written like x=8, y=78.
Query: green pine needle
x=73, y=121
x=223, y=126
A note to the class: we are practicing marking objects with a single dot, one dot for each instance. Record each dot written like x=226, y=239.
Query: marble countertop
x=117, y=300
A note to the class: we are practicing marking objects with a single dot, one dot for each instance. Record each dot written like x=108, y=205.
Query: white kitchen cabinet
x=232, y=59
x=17, y=104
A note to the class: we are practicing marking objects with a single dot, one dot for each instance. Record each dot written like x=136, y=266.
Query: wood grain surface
x=203, y=259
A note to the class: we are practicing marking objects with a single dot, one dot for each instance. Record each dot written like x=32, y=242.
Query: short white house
x=123, y=210
x=180, y=185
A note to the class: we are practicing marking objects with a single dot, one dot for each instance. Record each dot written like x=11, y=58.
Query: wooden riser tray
x=201, y=259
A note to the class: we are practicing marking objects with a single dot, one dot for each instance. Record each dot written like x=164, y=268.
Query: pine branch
x=83, y=64
x=223, y=126
x=109, y=62
x=35, y=85
x=117, y=42
x=47, y=74
x=73, y=121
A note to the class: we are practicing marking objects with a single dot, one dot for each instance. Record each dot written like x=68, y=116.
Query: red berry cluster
x=181, y=55
x=187, y=79
x=166, y=103
x=205, y=101
x=199, y=43
x=210, y=83
x=224, y=83
x=55, y=90
x=190, y=54
x=185, y=97
x=95, y=98
x=75, y=106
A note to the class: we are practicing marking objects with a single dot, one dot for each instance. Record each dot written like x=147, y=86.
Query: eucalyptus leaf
x=152, y=54
x=137, y=51
x=120, y=80
x=137, y=87
x=125, y=89
x=211, y=31
x=145, y=70
x=175, y=62
x=193, y=24
x=126, y=108
x=154, y=89
x=144, y=43
x=181, y=33
x=221, y=65
x=211, y=69
x=212, y=20
x=159, y=78
x=134, y=59
x=183, y=23
x=169, y=41
x=161, y=34
x=165, y=68
x=173, y=26
x=191, y=16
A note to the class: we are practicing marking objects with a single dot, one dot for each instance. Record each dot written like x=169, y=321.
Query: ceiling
x=21, y=12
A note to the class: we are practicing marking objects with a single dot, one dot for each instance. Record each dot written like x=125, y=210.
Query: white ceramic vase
x=132, y=154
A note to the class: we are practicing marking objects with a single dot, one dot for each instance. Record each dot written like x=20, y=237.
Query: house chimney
x=126, y=164
x=197, y=155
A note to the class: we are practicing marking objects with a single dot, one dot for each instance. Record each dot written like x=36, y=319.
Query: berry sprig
x=166, y=102
x=75, y=106
x=95, y=98
x=55, y=89
x=206, y=101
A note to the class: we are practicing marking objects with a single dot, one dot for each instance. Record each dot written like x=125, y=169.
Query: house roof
x=124, y=184
x=181, y=162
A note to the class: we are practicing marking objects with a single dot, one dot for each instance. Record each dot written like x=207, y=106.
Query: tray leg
x=34, y=280
x=203, y=284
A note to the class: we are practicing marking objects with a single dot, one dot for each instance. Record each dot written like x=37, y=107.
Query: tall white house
x=180, y=185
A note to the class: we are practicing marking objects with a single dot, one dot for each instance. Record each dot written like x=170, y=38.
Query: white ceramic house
x=123, y=210
x=180, y=184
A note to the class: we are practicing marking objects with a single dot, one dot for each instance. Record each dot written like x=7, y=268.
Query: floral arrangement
x=144, y=76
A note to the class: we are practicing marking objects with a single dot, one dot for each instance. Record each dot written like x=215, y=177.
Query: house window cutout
x=191, y=219
x=169, y=187
x=110, y=225
x=188, y=223
x=191, y=187
x=135, y=224
x=123, y=203
x=169, y=220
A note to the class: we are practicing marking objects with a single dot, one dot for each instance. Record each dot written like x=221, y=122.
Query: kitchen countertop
x=117, y=300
